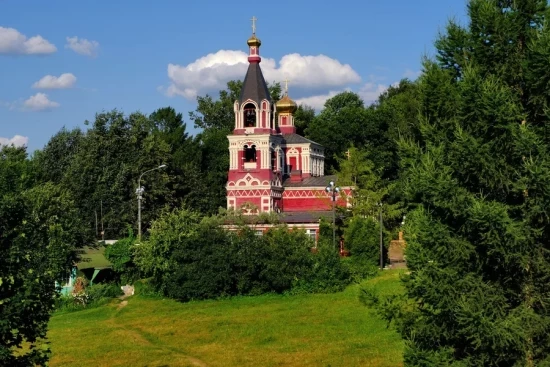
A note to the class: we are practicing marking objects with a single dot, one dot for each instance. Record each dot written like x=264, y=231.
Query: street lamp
x=332, y=189
x=139, y=192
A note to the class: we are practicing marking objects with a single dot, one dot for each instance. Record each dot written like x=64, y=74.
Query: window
x=312, y=233
x=249, y=154
x=249, y=115
x=259, y=232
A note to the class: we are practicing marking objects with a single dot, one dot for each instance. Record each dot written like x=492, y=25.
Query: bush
x=362, y=239
x=190, y=259
x=359, y=268
x=327, y=273
x=120, y=254
x=87, y=297
x=144, y=288
x=98, y=291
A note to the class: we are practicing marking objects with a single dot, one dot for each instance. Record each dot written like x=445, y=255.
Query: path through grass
x=309, y=330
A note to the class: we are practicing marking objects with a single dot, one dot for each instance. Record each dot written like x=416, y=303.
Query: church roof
x=304, y=217
x=321, y=181
x=297, y=139
x=254, y=85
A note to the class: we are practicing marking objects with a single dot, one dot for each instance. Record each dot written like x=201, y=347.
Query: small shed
x=93, y=265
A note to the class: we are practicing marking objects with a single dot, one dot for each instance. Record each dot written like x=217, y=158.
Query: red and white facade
x=271, y=168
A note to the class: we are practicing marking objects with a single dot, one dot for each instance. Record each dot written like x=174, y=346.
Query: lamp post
x=332, y=189
x=381, y=239
x=139, y=192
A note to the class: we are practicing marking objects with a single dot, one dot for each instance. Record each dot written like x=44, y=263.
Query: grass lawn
x=272, y=330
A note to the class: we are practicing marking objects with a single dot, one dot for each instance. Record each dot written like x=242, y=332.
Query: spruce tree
x=477, y=182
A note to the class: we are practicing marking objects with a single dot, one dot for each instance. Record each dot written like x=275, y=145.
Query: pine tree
x=477, y=181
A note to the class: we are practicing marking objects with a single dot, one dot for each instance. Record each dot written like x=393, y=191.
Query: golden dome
x=286, y=105
x=254, y=41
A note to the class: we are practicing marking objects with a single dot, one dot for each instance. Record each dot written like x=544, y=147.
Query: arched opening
x=249, y=116
x=249, y=154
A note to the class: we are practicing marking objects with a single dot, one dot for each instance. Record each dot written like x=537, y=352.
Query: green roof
x=93, y=258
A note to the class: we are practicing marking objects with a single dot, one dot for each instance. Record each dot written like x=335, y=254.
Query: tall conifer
x=478, y=184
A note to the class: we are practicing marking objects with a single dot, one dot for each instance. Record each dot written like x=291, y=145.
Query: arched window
x=249, y=115
x=249, y=154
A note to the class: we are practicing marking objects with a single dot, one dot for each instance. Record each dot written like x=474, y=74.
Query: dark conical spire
x=254, y=85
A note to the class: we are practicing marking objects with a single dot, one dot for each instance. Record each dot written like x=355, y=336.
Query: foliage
x=39, y=232
x=327, y=273
x=107, y=290
x=363, y=239
x=120, y=254
x=303, y=118
x=340, y=123
x=476, y=180
x=189, y=258
x=88, y=297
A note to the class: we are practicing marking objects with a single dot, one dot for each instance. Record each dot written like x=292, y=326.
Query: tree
x=56, y=157
x=394, y=116
x=476, y=180
x=40, y=230
x=104, y=172
x=303, y=118
x=340, y=123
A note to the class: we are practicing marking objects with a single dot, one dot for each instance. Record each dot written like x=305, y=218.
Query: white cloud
x=409, y=74
x=318, y=101
x=211, y=72
x=371, y=91
x=13, y=42
x=40, y=102
x=17, y=141
x=82, y=46
x=63, y=81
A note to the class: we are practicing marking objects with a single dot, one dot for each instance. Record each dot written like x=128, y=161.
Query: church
x=272, y=169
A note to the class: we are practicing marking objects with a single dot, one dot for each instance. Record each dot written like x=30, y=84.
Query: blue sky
x=63, y=61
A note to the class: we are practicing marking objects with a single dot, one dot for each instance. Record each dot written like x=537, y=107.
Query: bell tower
x=255, y=157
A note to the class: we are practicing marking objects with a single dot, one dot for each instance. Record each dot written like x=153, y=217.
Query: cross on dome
x=286, y=86
x=254, y=19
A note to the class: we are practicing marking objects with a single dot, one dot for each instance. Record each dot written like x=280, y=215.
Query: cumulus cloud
x=371, y=91
x=17, y=141
x=82, y=46
x=16, y=43
x=40, y=102
x=64, y=81
x=409, y=74
x=317, y=102
x=211, y=72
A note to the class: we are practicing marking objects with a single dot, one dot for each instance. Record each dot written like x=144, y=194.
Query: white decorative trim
x=247, y=180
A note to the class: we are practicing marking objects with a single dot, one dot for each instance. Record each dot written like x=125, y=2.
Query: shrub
x=98, y=291
x=359, y=268
x=144, y=288
x=191, y=259
x=120, y=254
x=327, y=273
x=362, y=239
x=87, y=297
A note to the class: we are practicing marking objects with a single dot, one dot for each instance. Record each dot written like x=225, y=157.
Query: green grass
x=272, y=330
